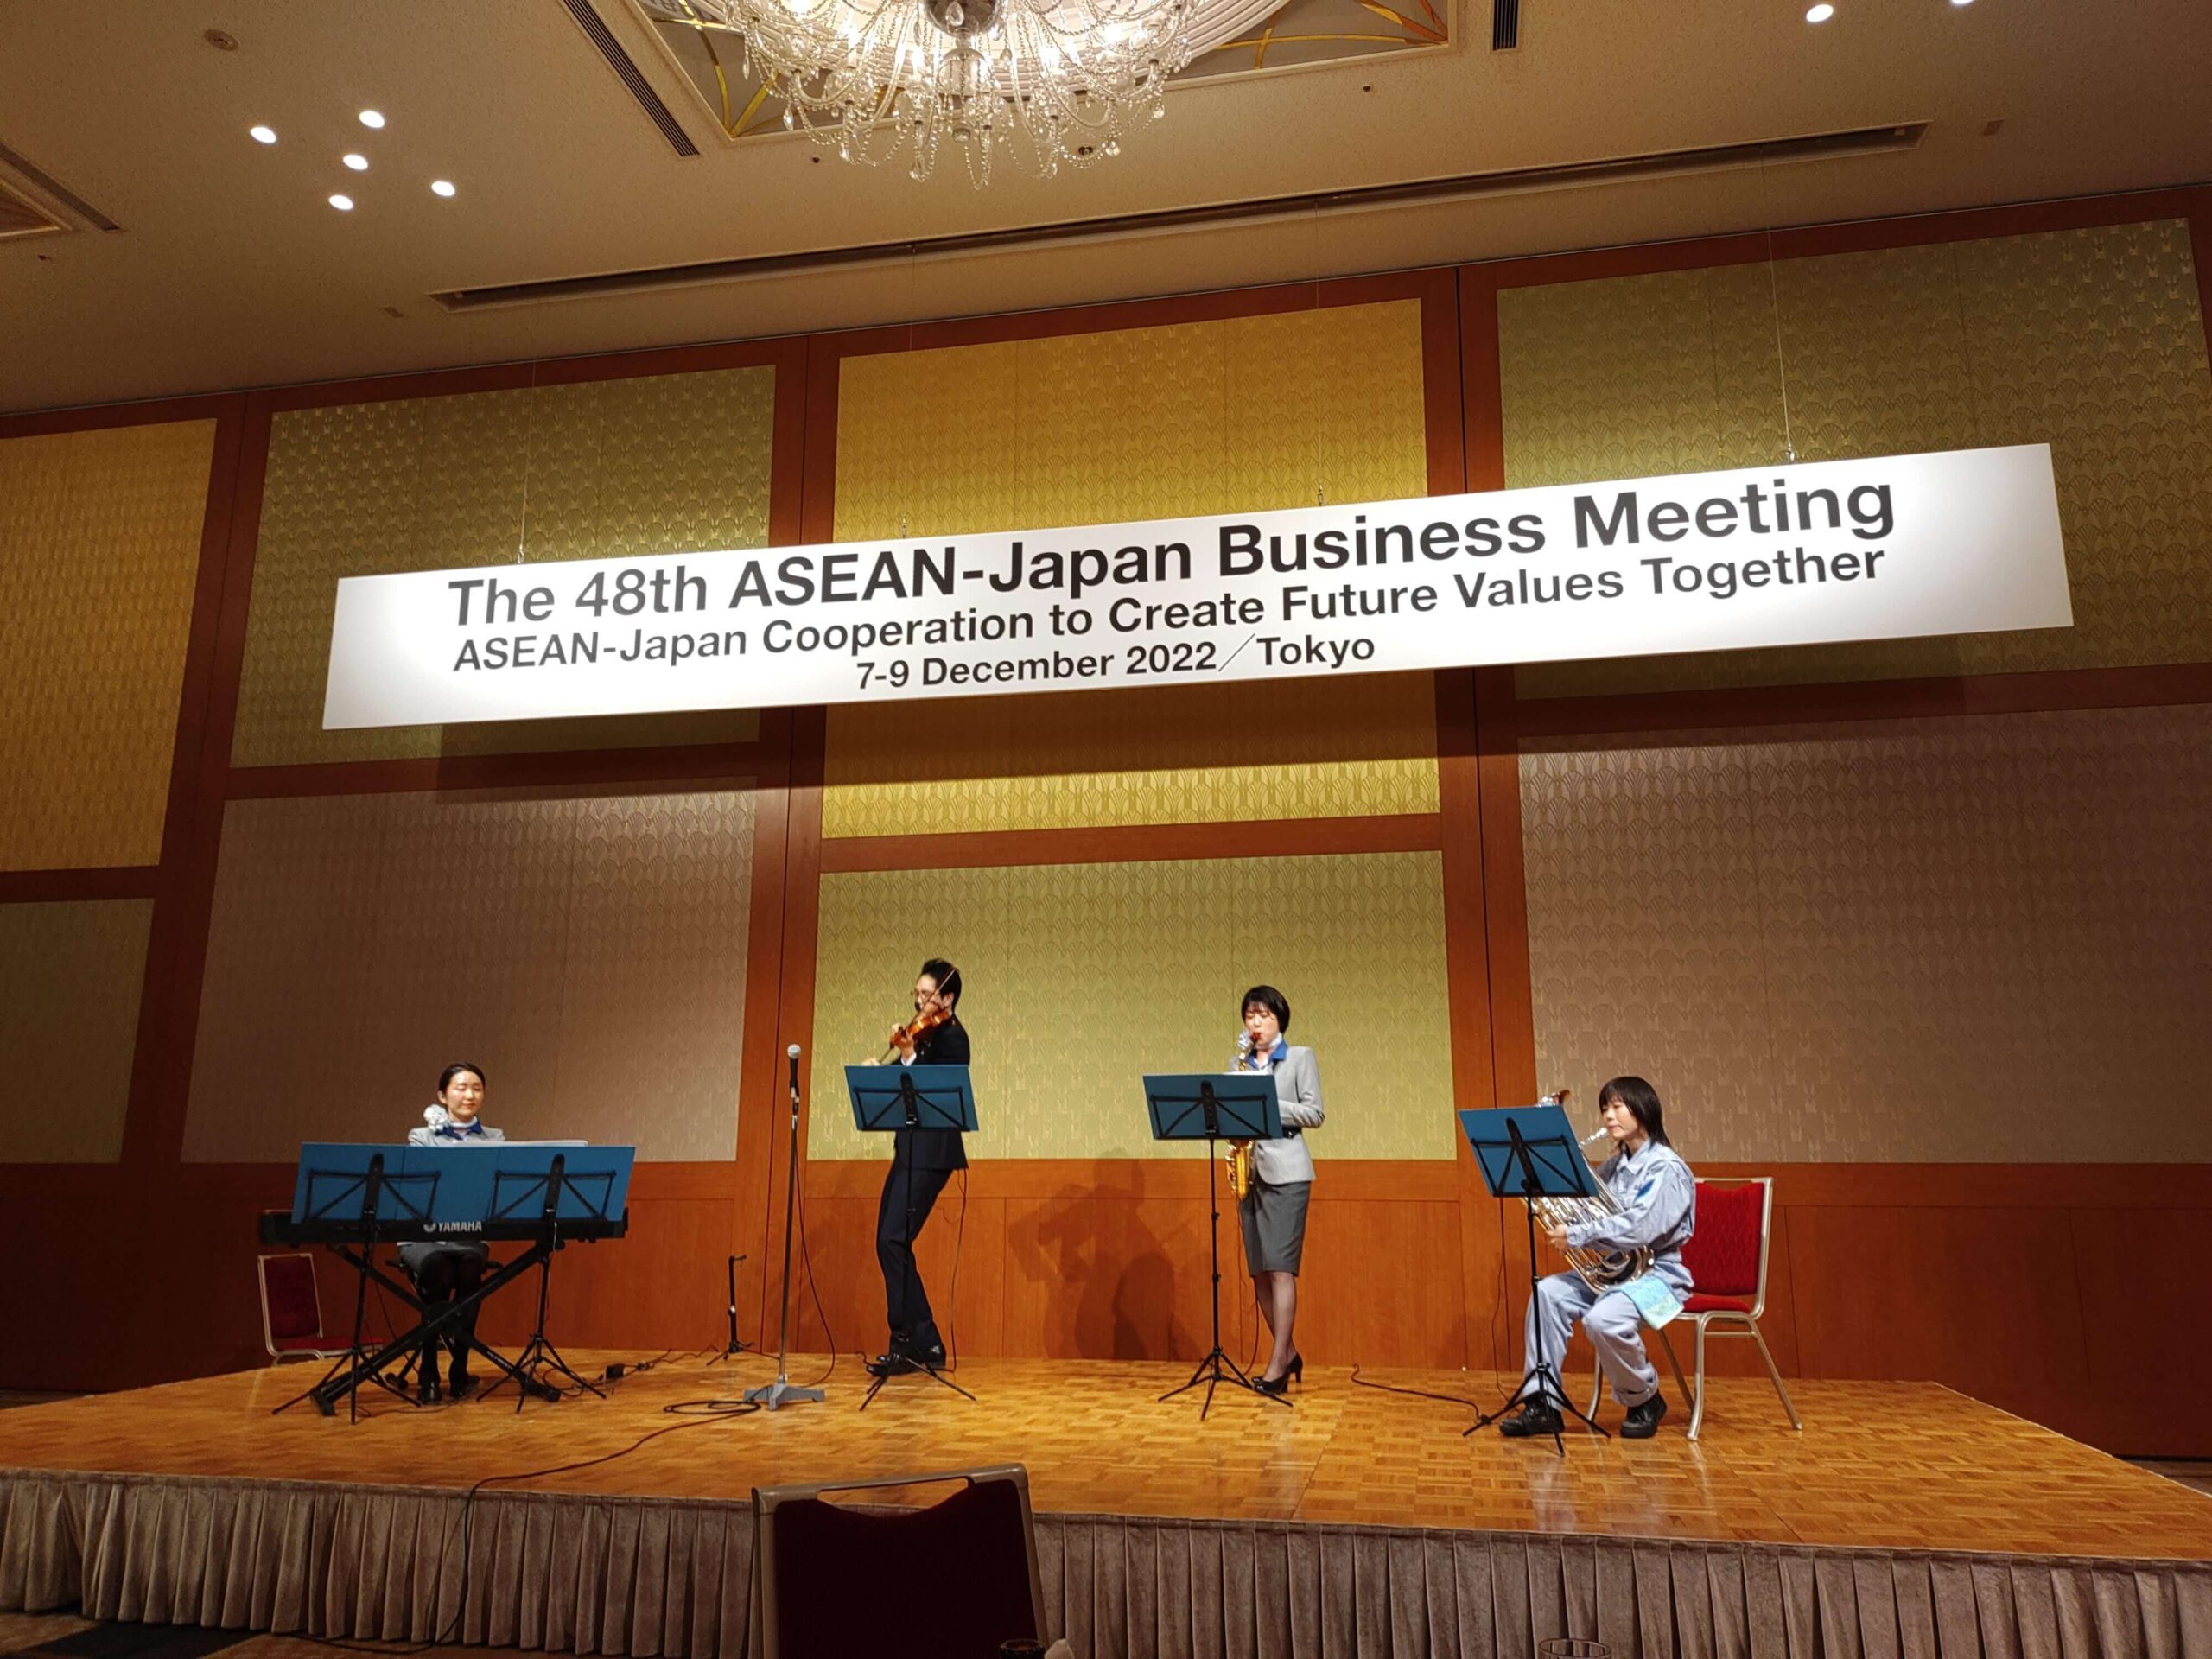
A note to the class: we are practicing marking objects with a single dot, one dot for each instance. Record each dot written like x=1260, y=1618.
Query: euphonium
x=1600, y=1269
x=1238, y=1159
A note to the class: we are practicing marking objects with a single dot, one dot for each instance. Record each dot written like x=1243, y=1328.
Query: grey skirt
x=1274, y=1225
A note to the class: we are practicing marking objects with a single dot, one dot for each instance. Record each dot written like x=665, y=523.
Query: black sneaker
x=1536, y=1417
x=1643, y=1418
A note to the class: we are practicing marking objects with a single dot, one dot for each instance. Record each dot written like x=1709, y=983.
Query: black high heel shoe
x=1272, y=1385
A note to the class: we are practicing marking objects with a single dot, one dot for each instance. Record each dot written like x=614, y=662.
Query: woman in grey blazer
x=1274, y=1208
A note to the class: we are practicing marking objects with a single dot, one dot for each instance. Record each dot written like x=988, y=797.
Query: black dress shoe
x=460, y=1385
x=426, y=1387
x=1536, y=1417
x=894, y=1364
x=1643, y=1418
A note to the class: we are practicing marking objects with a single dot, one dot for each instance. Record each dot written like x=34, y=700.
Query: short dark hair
x=947, y=977
x=1270, y=999
x=446, y=1077
x=1642, y=1102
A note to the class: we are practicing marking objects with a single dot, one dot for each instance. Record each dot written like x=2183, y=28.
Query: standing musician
x=446, y=1270
x=1658, y=1202
x=1273, y=1209
x=922, y=1161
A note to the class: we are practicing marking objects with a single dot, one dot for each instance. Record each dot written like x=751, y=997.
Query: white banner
x=1964, y=542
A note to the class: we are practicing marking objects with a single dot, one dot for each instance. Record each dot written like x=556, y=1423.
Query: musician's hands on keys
x=1558, y=1237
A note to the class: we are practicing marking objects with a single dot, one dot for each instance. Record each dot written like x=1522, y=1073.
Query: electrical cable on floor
x=1417, y=1394
x=953, y=1317
x=696, y=1414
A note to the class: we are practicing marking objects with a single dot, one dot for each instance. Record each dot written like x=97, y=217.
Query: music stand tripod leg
x=1540, y=1380
x=1217, y=1367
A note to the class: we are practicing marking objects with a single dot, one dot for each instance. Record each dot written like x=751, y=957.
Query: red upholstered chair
x=954, y=1580
x=1727, y=1255
x=291, y=1312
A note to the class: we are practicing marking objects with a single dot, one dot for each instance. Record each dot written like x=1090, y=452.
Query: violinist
x=922, y=1161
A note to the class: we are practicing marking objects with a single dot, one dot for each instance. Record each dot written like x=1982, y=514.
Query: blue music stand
x=374, y=1185
x=894, y=1097
x=1208, y=1106
x=554, y=1184
x=1532, y=1152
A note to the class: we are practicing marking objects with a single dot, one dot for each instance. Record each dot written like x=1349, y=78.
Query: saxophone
x=1238, y=1159
x=1600, y=1269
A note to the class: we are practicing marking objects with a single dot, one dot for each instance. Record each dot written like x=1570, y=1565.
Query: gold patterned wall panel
x=602, y=469
x=2091, y=340
x=1983, y=939
x=70, y=977
x=100, y=551
x=1333, y=747
x=1249, y=413
x=1081, y=977
x=587, y=947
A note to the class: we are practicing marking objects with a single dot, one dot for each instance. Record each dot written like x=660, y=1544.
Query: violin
x=928, y=1020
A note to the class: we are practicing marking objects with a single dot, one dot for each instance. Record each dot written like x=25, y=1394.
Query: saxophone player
x=1658, y=1203
x=1273, y=1209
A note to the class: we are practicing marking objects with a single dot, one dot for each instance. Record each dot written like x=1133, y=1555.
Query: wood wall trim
x=2048, y=690
x=62, y=887
x=1412, y=1180
x=675, y=764
x=103, y=417
x=176, y=951
x=1853, y=236
x=1134, y=843
x=1213, y=305
x=541, y=372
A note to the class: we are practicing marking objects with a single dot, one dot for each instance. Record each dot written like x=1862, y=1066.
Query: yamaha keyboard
x=276, y=1228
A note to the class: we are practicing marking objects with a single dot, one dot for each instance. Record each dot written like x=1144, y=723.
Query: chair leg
x=1597, y=1389
x=1689, y=1395
x=1697, y=1409
x=1775, y=1372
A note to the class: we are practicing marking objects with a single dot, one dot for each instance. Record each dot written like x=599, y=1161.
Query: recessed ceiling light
x=1963, y=2
x=1821, y=13
x=442, y=187
x=371, y=118
x=263, y=134
x=343, y=204
x=359, y=163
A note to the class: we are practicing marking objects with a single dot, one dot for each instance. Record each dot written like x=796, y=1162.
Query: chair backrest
x=958, y=1578
x=1726, y=1252
x=291, y=1312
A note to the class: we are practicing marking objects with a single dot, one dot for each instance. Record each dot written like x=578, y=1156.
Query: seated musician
x=1658, y=1200
x=445, y=1271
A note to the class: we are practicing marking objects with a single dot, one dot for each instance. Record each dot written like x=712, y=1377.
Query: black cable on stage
x=1417, y=1394
x=696, y=1414
x=814, y=1289
x=959, y=1238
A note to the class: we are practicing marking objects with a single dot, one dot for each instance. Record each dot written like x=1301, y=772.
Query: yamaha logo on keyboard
x=453, y=1227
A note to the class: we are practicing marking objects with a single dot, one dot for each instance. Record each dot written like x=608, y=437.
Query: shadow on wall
x=1116, y=1295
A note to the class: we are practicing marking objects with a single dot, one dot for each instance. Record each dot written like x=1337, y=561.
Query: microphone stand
x=783, y=1390
x=737, y=1345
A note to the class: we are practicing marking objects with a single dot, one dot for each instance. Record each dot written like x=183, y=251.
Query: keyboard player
x=445, y=1270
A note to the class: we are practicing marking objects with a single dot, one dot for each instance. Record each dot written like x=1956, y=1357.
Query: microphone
x=791, y=1054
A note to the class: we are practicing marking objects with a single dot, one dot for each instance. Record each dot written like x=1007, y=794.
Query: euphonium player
x=1658, y=1199
x=1273, y=1210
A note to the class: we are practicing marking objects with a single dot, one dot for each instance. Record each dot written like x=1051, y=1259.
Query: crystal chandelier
x=1059, y=81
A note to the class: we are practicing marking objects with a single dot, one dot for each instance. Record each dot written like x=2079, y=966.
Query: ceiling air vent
x=626, y=69
x=1504, y=25
x=1466, y=187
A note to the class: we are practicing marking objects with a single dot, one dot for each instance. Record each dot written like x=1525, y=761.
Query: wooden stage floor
x=1879, y=1464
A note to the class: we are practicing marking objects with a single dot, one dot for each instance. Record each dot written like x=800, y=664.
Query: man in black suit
x=922, y=1161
